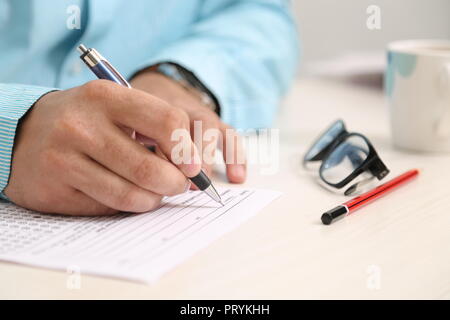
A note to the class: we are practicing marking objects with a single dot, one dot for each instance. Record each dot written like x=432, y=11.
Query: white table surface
x=397, y=247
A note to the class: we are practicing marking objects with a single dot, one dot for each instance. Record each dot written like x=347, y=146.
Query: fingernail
x=239, y=171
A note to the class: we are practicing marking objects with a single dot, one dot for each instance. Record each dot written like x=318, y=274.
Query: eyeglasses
x=344, y=158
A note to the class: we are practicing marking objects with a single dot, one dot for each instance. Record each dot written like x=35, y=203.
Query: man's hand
x=73, y=156
x=177, y=96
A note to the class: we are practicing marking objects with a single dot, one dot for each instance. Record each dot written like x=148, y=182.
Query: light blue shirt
x=244, y=51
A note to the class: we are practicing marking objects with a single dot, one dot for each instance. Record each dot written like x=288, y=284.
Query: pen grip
x=201, y=181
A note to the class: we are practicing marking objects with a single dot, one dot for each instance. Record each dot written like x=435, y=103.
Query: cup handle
x=443, y=123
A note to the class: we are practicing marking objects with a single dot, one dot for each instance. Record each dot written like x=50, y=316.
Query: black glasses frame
x=372, y=163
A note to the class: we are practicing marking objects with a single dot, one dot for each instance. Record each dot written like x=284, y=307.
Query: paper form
x=135, y=247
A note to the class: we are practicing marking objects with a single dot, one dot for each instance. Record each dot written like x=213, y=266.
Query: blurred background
x=335, y=32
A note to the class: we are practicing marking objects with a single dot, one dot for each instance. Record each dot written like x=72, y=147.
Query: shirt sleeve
x=245, y=52
x=15, y=101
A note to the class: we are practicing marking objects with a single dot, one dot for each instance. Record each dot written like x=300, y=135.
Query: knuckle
x=52, y=159
x=178, y=184
x=131, y=200
x=150, y=176
x=97, y=89
x=126, y=200
x=64, y=127
x=173, y=186
x=71, y=126
x=176, y=118
x=144, y=173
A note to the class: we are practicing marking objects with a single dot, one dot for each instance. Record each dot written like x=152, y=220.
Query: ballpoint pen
x=104, y=70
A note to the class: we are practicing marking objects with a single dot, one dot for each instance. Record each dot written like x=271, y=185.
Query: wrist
x=189, y=82
x=165, y=88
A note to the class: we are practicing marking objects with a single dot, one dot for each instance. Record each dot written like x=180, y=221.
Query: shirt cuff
x=15, y=101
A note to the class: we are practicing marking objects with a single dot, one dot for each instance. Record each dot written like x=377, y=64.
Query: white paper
x=135, y=247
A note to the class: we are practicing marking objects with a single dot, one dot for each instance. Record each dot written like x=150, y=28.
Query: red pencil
x=360, y=201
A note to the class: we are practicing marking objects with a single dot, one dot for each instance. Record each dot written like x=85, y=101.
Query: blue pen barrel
x=102, y=72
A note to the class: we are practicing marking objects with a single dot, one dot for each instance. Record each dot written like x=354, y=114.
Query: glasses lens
x=325, y=139
x=344, y=159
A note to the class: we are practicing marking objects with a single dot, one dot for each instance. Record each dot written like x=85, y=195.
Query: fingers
x=206, y=135
x=234, y=155
x=169, y=128
x=117, y=152
x=79, y=204
x=59, y=199
x=110, y=189
x=154, y=118
x=227, y=139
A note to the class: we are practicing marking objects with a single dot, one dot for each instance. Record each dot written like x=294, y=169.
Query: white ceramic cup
x=417, y=84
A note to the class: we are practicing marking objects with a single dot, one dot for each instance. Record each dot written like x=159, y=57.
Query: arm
x=245, y=52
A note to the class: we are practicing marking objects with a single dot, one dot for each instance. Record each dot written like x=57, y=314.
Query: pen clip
x=123, y=81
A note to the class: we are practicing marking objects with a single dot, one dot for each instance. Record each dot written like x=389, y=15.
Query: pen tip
x=223, y=204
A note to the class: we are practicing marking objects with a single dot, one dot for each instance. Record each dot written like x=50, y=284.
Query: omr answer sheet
x=129, y=246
